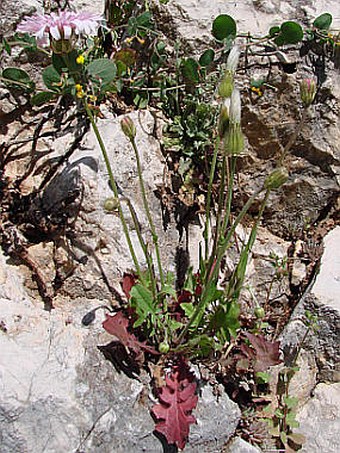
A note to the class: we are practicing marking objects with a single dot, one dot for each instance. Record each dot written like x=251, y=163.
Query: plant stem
x=210, y=279
x=147, y=211
x=147, y=255
x=208, y=201
x=295, y=135
x=114, y=188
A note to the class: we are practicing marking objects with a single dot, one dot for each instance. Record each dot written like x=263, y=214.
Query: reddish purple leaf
x=267, y=353
x=128, y=282
x=117, y=325
x=177, y=399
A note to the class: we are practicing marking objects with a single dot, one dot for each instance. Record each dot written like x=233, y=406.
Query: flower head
x=307, y=91
x=61, y=26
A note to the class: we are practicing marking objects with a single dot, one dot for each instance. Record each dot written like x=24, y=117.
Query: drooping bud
x=235, y=107
x=223, y=121
x=128, y=127
x=307, y=91
x=233, y=58
x=227, y=85
x=276, y=178
x=234, y=142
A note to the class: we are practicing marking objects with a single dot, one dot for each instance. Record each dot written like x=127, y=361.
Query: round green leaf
x=102, y=69
x=207, y=57
x=51, y=78
x=291, y=32
x=323, y=22
x=223, y=27
x=274, y=31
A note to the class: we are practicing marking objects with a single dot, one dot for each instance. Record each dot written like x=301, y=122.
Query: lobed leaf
x=177, y=400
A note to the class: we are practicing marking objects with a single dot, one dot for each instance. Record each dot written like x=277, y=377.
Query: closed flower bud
x=235, y=107
x=234, y=143
x=111, y=204
x=227, y=85
x=164, y=347
x=223, y=121
x=233, y=58
x=276, y=178
x=128, y=127
x=307, y=91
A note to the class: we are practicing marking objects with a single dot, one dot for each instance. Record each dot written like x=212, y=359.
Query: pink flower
x=60, y=26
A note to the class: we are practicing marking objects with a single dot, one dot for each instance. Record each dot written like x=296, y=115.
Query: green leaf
x=190, y=70
x=323, y=22
x=262, y=377
x=141, y=100
x=207, y=57
x=142, y=300
x=290, y=401
x=18, y=77
x=6, y=46
x=291, y=32
x=279, y=413
x=188, y=308
x=42, y=97
x=224, y=27
x=291, y=420
x=102, y=70
x=283, y=437
x=274, y=31
x=51, y=78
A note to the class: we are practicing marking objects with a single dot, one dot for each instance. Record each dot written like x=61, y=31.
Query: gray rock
x=320, y=420
x=239, y=445
x=322, y=299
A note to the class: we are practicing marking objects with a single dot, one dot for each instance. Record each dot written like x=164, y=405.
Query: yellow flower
x=257, y=91
x=79, y=87
x=80, y=59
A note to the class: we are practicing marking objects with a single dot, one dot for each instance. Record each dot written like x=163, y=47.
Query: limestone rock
x=239, y=445
x=320, y=420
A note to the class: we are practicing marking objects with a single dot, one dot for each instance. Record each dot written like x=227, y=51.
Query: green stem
x=236, y=282
x=210, y=279
x=147, y=211
x=115, y=189
x=147, y=255
x=208, y=201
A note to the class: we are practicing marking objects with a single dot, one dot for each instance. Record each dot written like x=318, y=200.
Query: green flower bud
x=111, y=204
x=234, y=142
x=128, y=127
x=164, y=347
x=307, y=91
x=259, y=312
x=276, y=178
x=227, y=85
x=223, y=121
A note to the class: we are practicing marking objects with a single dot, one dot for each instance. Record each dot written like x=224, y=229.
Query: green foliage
x=207, y=57
x=290, y=33
x=18, y=78
x=146, y=308
x=224, y=28
x=52, y=78
x=102, y=72
x=323, y=22
x=42, y=97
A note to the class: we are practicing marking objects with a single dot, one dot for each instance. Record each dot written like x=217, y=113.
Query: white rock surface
x=194, y=18
x=320, y=420
x=327, y=285
x=239, y=445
